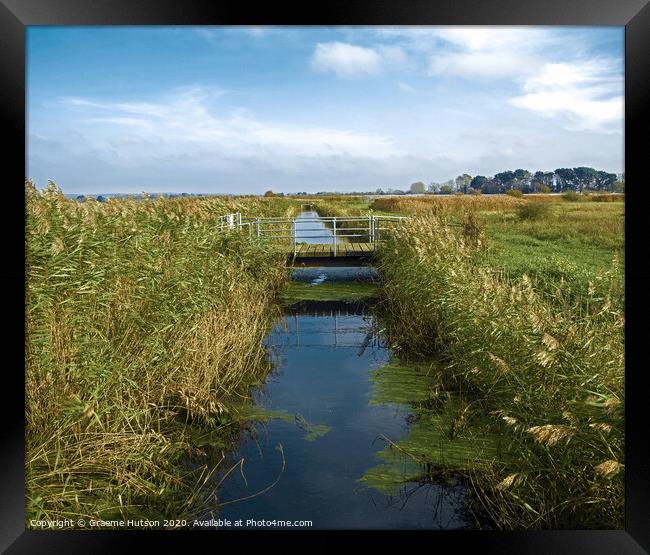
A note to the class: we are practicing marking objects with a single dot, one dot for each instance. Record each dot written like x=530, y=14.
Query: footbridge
x=313, y=239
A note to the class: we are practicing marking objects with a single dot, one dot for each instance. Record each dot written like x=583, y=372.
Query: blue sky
x=247, y=109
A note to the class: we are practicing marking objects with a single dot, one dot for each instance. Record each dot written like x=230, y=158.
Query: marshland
x=472, y=378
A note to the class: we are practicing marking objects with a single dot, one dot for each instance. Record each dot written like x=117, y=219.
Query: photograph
x=325, y=277
x=354, y=272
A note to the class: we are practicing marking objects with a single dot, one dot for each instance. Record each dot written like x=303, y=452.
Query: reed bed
x=144, y=330
x=340, y=206
x=445, y=203
x=575, y=197
x=548, y=375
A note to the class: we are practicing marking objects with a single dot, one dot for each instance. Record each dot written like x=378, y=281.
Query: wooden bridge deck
x=343, y=249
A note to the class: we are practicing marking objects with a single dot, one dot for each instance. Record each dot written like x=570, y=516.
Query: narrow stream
x=310, y=230
x=323, y=355
x=308, y=467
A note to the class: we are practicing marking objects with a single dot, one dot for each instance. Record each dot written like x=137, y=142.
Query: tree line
x=562, y=179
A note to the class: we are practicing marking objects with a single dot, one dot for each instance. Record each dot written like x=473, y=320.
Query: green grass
x=580, y=244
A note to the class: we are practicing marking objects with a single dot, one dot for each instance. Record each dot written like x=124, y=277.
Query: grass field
x=543, y=236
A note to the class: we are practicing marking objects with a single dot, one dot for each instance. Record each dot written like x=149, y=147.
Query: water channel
x=309, y=466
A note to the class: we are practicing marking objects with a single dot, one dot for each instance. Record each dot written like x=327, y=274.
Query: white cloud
x=489, y=52
x=186, y=126
x=346, y=60
x=589, y=95
x=392, y=54
x=494, y=38
x=490, y=64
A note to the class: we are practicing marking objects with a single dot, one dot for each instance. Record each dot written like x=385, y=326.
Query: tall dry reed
x=550, y=375
x=144, y=327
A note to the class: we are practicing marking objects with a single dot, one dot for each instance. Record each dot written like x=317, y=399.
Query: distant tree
x=418, y=187
x=523, y=180
x=585, y=177
x=462, y=182
x=543, y=178
x=81, y=198
x=505, y=179
x=491, y=187
x=605, y=181
x=545, y=189
x=446, y=189
x=478, y=182
x=101, y=198
x=619, y=187
x=269, y=193
x=379, y=192
x=566, y=179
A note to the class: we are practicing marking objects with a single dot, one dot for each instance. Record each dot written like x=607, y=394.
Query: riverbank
x=541, y=370
x=144, y=326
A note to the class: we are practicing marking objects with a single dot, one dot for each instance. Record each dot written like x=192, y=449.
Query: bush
x=532, y=211
x=515, y=193
x=606, y=197
x=571, y=196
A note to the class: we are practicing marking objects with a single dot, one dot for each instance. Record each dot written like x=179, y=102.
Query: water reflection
x=322, y=355
x=310, y=229
x=319, y=274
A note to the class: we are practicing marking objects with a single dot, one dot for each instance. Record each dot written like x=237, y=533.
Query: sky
x=246, y=109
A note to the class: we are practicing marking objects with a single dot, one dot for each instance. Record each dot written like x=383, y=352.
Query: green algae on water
x=313, y=431
x=444, y=436
x=403, y=384
x=254, y=413
x=329, y=291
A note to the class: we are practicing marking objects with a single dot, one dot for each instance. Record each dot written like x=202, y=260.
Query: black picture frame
x=15, y=15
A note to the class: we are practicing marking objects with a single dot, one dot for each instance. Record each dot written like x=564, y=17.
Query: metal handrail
x=336, y=227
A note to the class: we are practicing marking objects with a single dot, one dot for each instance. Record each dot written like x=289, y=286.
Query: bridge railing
x=317, y=229
x=229, y=221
